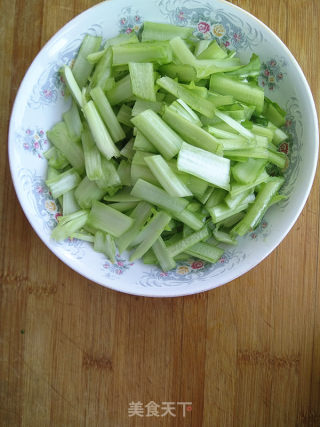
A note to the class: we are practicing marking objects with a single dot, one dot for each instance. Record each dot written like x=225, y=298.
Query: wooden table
x=76, y=354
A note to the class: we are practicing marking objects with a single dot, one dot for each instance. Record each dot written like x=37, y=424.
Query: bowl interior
x=41, y=101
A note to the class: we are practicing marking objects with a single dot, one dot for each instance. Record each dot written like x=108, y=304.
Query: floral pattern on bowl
x=34, y=141
x=130, y=20
x=272, y=73
x=211, y=22
x=121, y=266
x=50, y=86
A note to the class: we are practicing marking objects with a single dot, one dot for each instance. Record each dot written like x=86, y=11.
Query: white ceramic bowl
x=40, y=103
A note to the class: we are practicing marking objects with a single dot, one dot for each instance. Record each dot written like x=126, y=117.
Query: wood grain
x=75, y=354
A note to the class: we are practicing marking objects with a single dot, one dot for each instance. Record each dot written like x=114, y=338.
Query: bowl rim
x=207, y=286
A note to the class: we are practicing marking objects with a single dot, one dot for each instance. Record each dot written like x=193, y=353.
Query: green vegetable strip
x=124, y=206
x=173, y=239
x=216, y=198
x=142, y=80
x=182, y=108
x=72, y=84
x=252, y=69
x=220, y=100
x=233, y=144
x=52, y=173
x=244, y=92
x=87, y=192
x=240, y=112
x=113, y=190
x=259, y=207
x=73, y=122
x=107, y=114
x=122, y=196
x=197, y=90
x=205, y=252
x=191, y=132
x=239, y=188
x=105, y=243
x=233, y=202
x=103, y=71
x=124, y=38
x=262, y=141
x=274, y=113
x=140, y=215
x=167, y=178
x=141, y=143
x=63, y=182
x=99, y=131
x=182, y=52
x=247, y=172
x=92, y=158
x=201, y=45
x=184, y=73
x=222, y=211
x=156, y=196
x=213, y=51
x=222, y=126
x=86, y=237
x=235, y=125
x=263, y=131
x=223, y=134
x=110, y=177
x=69, y=224
x=228, y=140
x=82, y=68
x=55, y=158
x=139, y=158
x=128, y=150
x=124, y=172
x=124, y=115
x=206, y=67
x=163, y=256
x=231, y=221
x=186, y=231
x=194, y=101
x=109, y=220
x=156, y=31
x=94, y=57
x=207, y=166
x=69, y=203
x=153, y=232
x=159, y=52
x=189, y=218
x=196, y=185
x=144, y=232
x=72, y=151
x=161, y=136
x=278, y=135
x=121, y=92
x=185, y=243
x=194, y=206
x=223, y=237
x=276, y=199
x=142, y=105
x=142, y=172
x=203, y=198
x=278, y=159
x=150, y=258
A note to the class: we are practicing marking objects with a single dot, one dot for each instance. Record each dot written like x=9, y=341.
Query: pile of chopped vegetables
x=166, y=148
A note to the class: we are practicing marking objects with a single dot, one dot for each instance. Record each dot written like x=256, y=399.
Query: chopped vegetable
x=166, y=148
